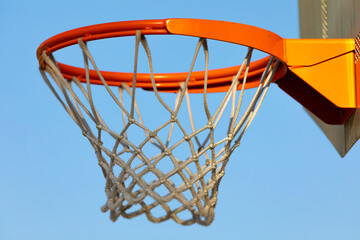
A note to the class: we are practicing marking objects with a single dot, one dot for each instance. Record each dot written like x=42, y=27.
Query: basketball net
x=136, y=183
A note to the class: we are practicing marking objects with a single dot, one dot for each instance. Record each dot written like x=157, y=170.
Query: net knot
x=137, y=151
x=173, y=118
x=187, y=138
x=152, y=134
x=167, y=152
x=131, y=120
x=207, y=162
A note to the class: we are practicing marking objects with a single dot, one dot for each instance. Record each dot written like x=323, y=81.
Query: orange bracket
x=322, y=76
x=327, y=65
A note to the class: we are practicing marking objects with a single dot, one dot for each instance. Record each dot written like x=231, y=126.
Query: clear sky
x=285, y=181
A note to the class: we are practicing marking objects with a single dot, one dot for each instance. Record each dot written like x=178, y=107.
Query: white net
x=164, y=168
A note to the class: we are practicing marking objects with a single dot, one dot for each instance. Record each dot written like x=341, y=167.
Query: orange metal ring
x=219, y=79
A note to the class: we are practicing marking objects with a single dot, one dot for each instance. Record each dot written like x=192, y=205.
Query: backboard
x=333, y=19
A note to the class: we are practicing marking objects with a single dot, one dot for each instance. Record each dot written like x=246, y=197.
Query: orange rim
x=218, y=79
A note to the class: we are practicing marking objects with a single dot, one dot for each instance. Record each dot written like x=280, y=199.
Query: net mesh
x=168, y=171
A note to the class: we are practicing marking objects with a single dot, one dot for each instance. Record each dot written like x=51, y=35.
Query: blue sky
x=285, y=181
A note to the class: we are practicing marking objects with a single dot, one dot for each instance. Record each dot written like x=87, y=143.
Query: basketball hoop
x=191, y=183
